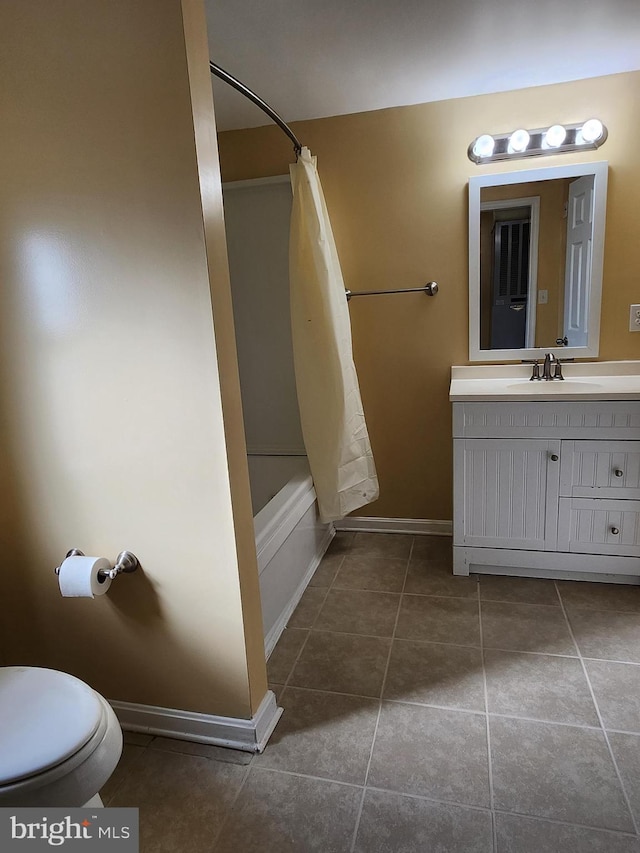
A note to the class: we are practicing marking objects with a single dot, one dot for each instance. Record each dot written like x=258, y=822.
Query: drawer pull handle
x=618, y=472
x=554, y=457
x=615, y=531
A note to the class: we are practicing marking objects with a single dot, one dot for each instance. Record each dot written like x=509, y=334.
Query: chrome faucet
x=549, y=359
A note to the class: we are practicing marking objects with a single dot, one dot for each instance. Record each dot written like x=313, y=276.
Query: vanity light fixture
x=556, y=139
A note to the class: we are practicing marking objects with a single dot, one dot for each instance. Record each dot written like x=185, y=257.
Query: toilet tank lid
x=46, y=717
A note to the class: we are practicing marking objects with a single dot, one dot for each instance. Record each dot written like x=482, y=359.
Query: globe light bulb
x=483, y=146
x=555, y=136
x=518, y=141
x=592, y=130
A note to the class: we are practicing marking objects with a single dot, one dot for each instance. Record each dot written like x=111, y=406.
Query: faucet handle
x=535, y=372
x=557, y=370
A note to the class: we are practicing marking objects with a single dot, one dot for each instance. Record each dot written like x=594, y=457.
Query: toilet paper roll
x=78, y=577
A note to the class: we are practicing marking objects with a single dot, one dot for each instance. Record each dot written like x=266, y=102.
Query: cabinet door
x=506, y=493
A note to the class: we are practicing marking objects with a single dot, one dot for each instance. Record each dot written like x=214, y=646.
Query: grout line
x=473, y=711
x=462, y=645
x=313, y=621
x=350, y=634
x=614, y=731
x=612, y=660
x=334, y=693
x=299, y=775
x=585, y=609
x=599, y=715
x=364, y=787
x=387, y=637
x=336, y=573
x=432, y=595
x=516, y=604
x=486, y=708
x=339, y=588
x=294, y=664
x=428, y=799
x=457, y=708
x=361, y=589
x=230, y=808
x=527, y=652
x=127, y=773
x=393, y=634
x=382, y=686
x=324, y=601
x=617, y=832
x=306, y=639
x=545, y=722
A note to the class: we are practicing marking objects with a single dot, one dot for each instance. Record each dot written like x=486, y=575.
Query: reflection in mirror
x=535, y=262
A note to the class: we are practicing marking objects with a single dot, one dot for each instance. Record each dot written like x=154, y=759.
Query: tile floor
x=423, y=713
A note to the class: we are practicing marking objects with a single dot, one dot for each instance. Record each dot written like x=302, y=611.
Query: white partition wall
x=257, y=215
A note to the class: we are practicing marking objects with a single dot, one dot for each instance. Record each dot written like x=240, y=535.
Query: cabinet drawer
x=616, y=419
x=600, y=469
x=587, y=526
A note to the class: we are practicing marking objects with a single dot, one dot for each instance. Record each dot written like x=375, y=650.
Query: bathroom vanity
x=547, y=473
x=546, y=469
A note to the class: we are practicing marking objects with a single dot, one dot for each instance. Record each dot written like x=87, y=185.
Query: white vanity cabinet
x=547, y=488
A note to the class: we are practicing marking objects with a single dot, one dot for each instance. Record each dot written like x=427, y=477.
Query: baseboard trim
x=234, y=732
x=417, y=526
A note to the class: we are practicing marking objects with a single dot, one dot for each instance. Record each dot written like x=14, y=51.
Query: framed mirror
x=536, y=248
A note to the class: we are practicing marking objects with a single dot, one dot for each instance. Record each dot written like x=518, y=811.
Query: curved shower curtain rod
x=430, y=289
x=264, y=106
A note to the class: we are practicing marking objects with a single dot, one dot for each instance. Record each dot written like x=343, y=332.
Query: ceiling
x=315, y=58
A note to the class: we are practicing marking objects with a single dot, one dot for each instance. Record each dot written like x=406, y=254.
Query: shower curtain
x=333, y=425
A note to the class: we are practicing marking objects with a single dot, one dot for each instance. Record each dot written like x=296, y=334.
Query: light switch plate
x=634, y=318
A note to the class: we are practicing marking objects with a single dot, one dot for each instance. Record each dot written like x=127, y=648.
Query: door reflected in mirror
x=536, y=242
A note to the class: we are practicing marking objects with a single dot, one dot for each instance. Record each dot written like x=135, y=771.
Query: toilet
x=60, y=741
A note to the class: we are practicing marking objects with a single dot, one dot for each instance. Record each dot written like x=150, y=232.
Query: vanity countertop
x=594, y=380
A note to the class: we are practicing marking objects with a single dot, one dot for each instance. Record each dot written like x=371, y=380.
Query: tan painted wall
x=396, y=187
x=110, y=393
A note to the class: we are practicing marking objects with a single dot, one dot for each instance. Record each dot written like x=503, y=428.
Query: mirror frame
x=599, y=170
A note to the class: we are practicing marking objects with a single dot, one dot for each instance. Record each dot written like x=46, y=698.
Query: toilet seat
x=59, y=740
x=47, y=716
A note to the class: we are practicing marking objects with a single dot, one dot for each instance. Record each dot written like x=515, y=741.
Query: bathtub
x=290, y=539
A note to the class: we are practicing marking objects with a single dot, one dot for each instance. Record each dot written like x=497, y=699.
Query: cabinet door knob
x=618, y=472
x=554, y=457
x=615, y=531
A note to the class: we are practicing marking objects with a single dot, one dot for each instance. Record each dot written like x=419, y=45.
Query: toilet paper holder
x=126, y=561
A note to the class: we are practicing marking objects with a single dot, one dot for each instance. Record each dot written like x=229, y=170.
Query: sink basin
x=566, y=386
